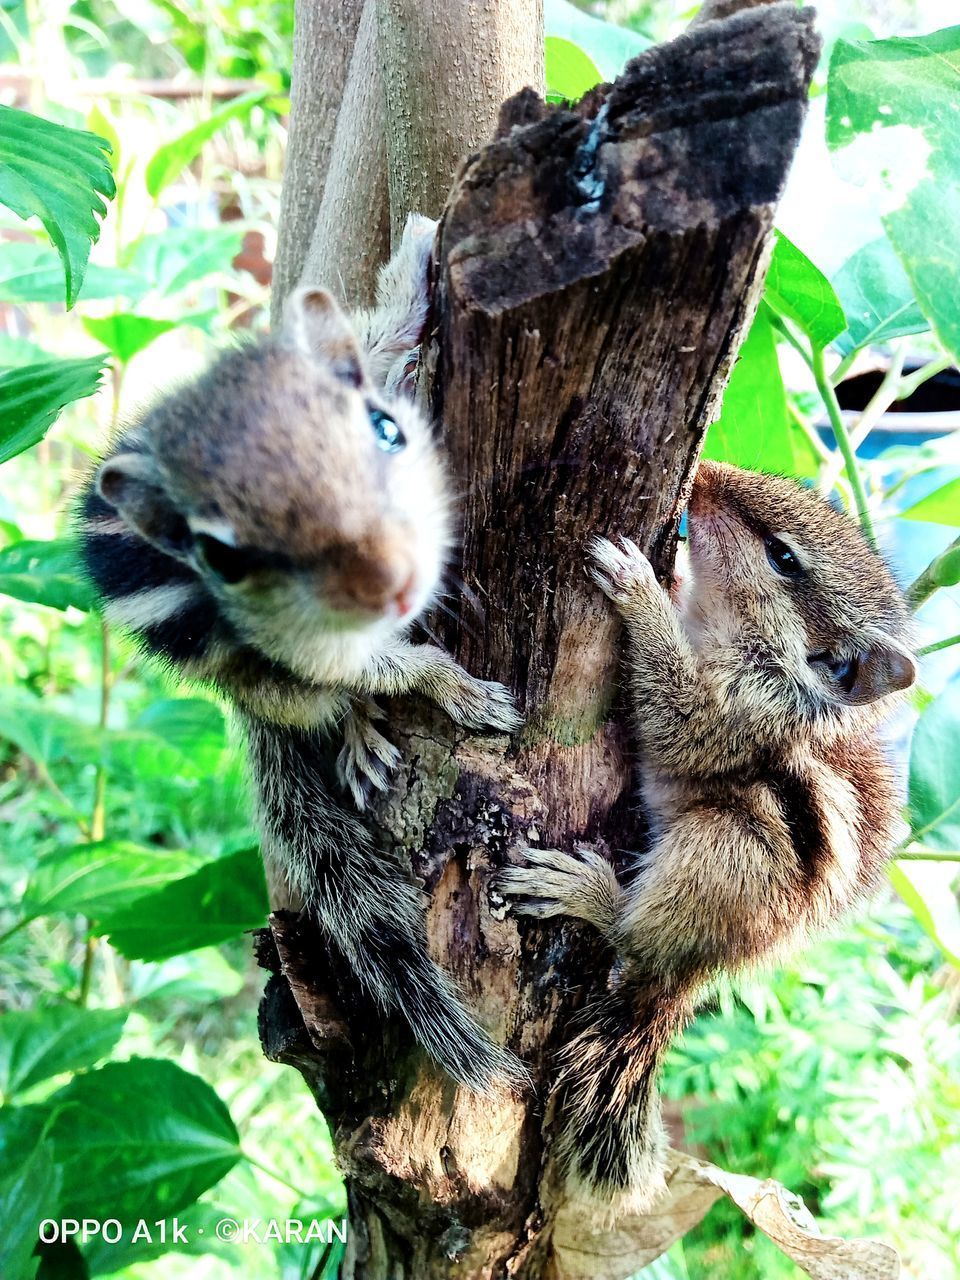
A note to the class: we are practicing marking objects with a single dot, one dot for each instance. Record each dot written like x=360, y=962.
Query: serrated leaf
x=896, y=99
x=125, y=334
x=58, y=175
x=927, y=889
x=222, y=900
x=139, y=1139
x=570, y=72
x=940, y=507
x=32, y=396
x=28, y=1194
x=754, y=429
x=31, y=272
x=95, y=879
x=935, y=773
x=609, y=46
x=181, y=256
x=171, y=159
x=45, y=573
x=795, y=288
x=877, y=298
x=42, y=1043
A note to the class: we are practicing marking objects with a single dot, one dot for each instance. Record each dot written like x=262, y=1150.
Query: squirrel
x=757, y=690
x=272, y=530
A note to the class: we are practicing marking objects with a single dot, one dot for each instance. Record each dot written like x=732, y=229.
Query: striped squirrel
x=757, y=693
x=272, y=529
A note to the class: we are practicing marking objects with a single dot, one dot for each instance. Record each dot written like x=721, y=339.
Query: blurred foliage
x=129, y=869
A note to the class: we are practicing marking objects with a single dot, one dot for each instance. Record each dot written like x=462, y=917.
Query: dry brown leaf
x=585, y=1249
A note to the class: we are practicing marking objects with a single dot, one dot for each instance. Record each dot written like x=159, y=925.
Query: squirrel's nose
x=376, y=577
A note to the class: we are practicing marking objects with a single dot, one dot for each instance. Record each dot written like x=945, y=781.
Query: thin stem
x=938, y=645
x=821, y=450
x=923, y=587
x=778, y=323
x=98, y=816
x=885, y=395
x=928, y=855
x=913, y=381
x=832, y=406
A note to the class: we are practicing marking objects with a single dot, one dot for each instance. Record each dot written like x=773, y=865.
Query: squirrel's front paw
x=623, y=572
x=554, y=883
x=482, y=704
x=366, y=760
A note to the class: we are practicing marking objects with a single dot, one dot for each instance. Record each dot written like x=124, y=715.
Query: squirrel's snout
x=375, y=578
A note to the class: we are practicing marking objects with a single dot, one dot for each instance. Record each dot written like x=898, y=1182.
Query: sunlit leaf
x=570, y=73
x=30, y=272
x=940, y=507
x=877, y=297
x=795, y=288
x=169, y=161
x=32, y=396
x=136, y=1139
x=927, y=889
x=45, y=573
x=95, y=879
x=754, y=429
x=29, y=1192
x=935, y=773
x=180, y=256
x=38, y=1044
x=58, y=175
x=222, y=900
x=125, y=334
x=896, y=101
x=608, y=46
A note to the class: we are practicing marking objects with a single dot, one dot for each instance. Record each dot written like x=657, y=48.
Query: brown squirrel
x=273, y=529
x=757, y=693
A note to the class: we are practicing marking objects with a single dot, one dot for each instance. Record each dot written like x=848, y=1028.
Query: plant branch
x=920, y=591
x=938, y=645
x=832, y=405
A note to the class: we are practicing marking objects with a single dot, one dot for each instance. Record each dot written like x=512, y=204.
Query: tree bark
x=597, y=268
x=323, y=40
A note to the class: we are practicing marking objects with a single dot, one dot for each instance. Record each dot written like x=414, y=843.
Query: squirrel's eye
x=782, y=558
x=230, y=564
x=389, y=436
x=843, y=670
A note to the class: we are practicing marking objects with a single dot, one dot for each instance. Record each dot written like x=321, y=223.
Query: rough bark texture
x=323, y=40
x=596, y=270
x=351, y=237
x=495, y=48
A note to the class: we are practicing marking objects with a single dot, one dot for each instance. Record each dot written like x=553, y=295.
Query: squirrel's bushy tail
x=370, y=911
x=612, y=1140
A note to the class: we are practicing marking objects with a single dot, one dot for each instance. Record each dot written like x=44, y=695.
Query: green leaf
x=30, y=272
x=194, y=726
x=95, y=879
x=754, y=429
x=570, y=73
x=28, y=1194
x=220, y=901
x=940, y=507
x=877, y=297
x=32, y=396
x=608, y=46
x=45, y=573
x=897, y=100
x=181, y=256
x=58, y=175
x=43, y=1043
x=927, y=889
x=136, y=1139
x=16, y=352
x=124, y=334
x=198, y=978
x=935, y=773
x=795, y=288
x=169, y=160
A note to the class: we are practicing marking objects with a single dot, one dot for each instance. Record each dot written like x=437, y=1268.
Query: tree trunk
x=597, y=269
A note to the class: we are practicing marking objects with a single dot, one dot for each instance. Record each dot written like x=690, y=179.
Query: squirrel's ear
x=130, y=483
x=884, y=668
x=316, y=326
